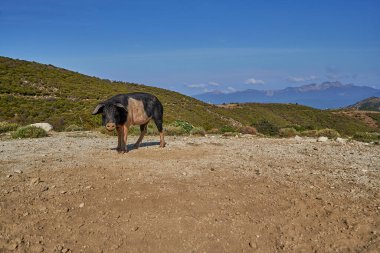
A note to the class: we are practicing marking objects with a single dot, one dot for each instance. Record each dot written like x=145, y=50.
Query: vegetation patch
x=330, y=133
x=267, y=128
x=7, y=127
x=198, y=131
x=175, y=130
x=29, y=132
x=288, y=132
x=367, y=137
x=309, y=133
x=73, y=128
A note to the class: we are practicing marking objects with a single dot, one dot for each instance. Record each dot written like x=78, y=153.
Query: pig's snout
x=110, y=126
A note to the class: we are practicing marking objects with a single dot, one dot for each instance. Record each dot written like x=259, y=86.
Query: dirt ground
x=71, y=192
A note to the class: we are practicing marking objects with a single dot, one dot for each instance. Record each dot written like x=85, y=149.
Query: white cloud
x=254, y=81
x=214, y=84
x=196, y=85
x=299, y=79
x=202, y=85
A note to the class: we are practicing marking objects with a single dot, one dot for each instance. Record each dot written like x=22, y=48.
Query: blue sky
x=196, y=46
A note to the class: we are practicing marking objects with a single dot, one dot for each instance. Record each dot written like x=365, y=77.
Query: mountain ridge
x=327, y=95
x=368, y=104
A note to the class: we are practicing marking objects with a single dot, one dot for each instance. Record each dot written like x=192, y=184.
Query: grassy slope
x=32, y=92
x=284, y=115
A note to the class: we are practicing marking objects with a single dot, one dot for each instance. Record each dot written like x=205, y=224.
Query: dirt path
x=72, y=193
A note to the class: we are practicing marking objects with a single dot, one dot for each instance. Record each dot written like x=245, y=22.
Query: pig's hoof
x=122, y=151
x=162, y=145
x=136, y=146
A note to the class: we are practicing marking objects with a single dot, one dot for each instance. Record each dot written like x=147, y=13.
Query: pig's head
x=113, y=114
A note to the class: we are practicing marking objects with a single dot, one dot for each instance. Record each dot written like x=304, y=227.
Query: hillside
x=33, y=92
x=369, y=104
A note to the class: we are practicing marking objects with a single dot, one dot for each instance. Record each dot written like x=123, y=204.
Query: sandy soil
x=72, y=193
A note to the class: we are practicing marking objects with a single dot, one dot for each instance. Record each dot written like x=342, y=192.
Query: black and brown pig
x=123, y=110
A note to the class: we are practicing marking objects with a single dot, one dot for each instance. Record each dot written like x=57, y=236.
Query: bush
x=266, y=127
x=248, y=130
x=184, y=125
x=227, y=129
x=29, y=132
x=288, y=132
x=175, y=130
x=213, y=131
x=330, y=133
x=366, y=137
x=73, y=128
x=7, y=127
x=198, y=131
x=309, y=133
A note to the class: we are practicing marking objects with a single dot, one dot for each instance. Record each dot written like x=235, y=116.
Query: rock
x=253, y=245
x=62, y=192
x=36, y=248
x=298, y=138
x=322, y=139
x=9, y=176
x=45, y=188
x=35, y=181
x=18, y=171
x=45, y=126
x=81, y=205
x=341, y=140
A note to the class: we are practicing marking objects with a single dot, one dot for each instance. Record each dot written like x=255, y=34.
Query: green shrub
x=29, y=132
x=248, y=130
x=301, y=128
x=213, y=131
x=227, y=129
x=183, y=124
x=288, y=132
x=366, y=137
x=73, y=128
x=330, y=133
x=266, y=127
x=309, y=133
x=152, y=129
x=7, y=127
x=198, y=131
x=175, y=130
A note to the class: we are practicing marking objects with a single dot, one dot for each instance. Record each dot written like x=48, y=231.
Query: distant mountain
x=369, y=104
x=322, y=96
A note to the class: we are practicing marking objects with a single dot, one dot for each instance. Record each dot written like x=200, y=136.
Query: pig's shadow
x=143, y=144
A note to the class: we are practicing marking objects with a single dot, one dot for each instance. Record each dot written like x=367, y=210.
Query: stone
x=298, y=138
x=81, y=205
x=322, y=139
x=341, y=140
x=45, y=126
x=35, y=181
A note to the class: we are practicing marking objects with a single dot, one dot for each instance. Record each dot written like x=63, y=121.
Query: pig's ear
x=98, y=109
x=121, y=106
